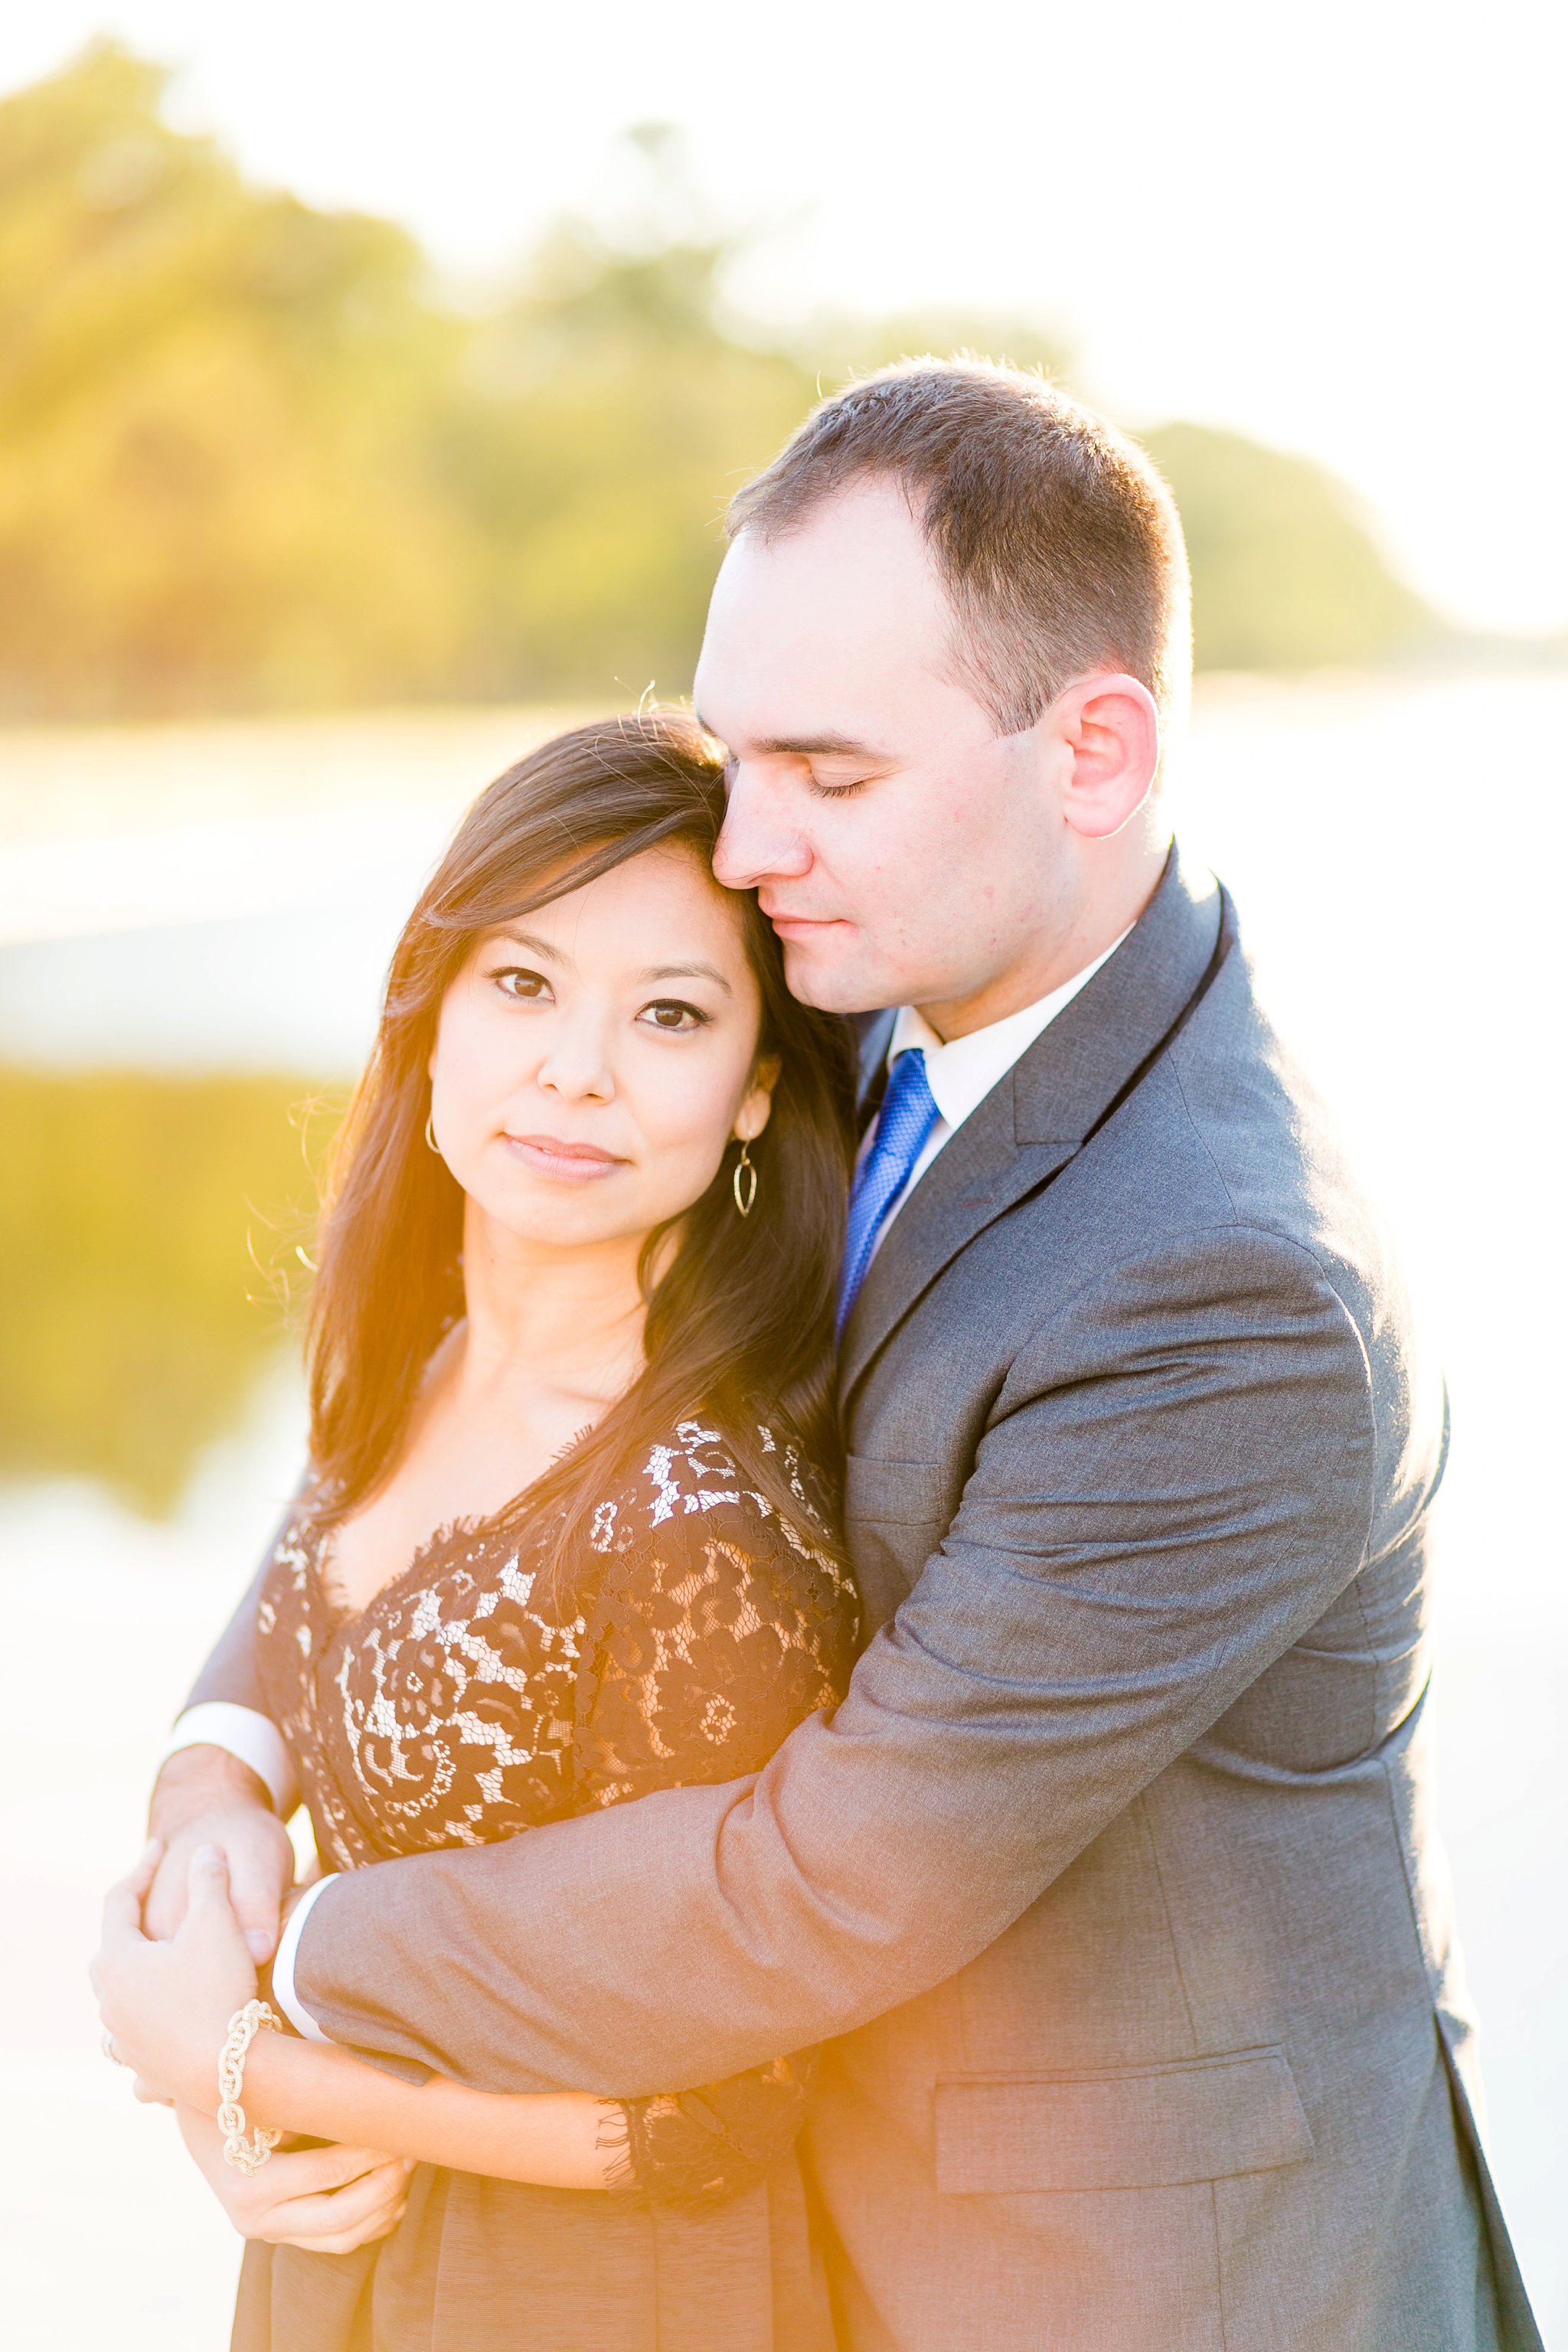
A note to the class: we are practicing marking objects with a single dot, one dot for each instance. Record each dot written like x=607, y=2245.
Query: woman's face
x=594, y=1061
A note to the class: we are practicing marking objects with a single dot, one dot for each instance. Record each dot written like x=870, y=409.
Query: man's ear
x=1111, y=726
x=758, y=1107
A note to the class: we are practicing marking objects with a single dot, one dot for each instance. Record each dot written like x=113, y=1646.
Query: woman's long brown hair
x=739, y=1322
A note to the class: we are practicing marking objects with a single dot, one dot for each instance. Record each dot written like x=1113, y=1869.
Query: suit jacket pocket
x=1118, y=2127
x=896, y=1494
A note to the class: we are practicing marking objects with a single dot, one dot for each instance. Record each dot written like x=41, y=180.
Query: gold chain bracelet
x=246, y=2156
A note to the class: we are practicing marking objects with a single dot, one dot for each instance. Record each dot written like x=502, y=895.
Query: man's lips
x=572, y=1163
x=790, y=926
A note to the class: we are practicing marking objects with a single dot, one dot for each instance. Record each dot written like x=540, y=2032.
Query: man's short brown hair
x=1056, y=541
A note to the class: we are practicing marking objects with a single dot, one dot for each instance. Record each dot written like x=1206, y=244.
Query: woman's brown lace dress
x=466, y=1705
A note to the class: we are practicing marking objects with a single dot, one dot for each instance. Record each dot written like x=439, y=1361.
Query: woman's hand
x=167, y=2005
x=204, y=1796
x=327, y=2199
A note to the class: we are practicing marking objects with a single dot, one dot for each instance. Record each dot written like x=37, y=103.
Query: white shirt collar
x=963, y=1073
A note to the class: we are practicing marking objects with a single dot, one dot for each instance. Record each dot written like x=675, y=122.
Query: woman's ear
x=758, y=1107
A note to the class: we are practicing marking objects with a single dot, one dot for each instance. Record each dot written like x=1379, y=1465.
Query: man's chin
x=831, y=983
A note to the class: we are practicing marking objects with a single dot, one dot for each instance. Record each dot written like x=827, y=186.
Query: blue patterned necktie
x=908, y=1115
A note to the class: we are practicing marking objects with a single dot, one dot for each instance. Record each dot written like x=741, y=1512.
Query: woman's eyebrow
x=689, y=971
x=535, y=946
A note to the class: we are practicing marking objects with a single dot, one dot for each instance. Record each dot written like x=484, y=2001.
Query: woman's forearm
x=551, y=2140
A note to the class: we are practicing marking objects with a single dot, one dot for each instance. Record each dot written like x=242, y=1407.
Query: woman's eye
x=836, y=787
x=668, y=1013
x=513, y=980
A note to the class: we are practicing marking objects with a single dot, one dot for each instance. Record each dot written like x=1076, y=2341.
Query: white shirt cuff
x=254, y=1739
x=283, y=1991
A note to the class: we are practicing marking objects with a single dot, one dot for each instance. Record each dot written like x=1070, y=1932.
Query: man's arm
x=225, y=1780
x=1177, y=1484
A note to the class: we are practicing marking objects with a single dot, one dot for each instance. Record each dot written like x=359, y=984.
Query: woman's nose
x=578, y=1063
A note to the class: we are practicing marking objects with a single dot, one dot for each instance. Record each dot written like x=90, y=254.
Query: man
x=1110, y=1879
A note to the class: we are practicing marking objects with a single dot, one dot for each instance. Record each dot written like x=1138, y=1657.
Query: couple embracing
x=854, y=1638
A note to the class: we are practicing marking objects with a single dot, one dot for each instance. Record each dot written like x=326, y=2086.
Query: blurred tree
x=843, y=348
x=247, y=459
x=215, y=487
x=141, y=1223
x=612, y=415
x=1286, y=574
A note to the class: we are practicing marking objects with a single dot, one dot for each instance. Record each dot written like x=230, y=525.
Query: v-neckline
x=340, y=1613
x=339, y=1610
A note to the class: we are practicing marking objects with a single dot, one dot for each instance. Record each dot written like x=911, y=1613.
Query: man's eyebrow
x=825, y=738
x=690, y=972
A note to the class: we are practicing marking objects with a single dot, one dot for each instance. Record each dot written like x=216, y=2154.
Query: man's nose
x=757, y=842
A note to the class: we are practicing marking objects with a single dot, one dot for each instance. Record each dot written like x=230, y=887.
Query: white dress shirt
x=283, y=1991
x=964, y=1072
x=254, y=1739
x=961, y=1075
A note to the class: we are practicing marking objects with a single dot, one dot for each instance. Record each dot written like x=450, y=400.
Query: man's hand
x=328, y=2200
x=205, y=1796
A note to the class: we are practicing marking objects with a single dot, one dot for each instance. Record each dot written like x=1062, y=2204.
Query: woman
x=564, y=1542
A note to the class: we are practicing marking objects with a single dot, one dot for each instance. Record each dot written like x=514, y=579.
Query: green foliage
x=248, y=461
x=138, y=1219
x=1285, y=573
x=610, y=418
x=215, y=488
x=843, y=348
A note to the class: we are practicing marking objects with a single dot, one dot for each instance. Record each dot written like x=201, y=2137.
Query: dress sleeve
x=700, y=2147
x=711, y=1639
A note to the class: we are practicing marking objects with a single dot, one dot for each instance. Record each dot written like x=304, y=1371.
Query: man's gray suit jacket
x=1113, y=1880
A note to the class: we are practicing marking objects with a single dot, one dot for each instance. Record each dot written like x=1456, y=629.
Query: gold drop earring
x=745, y=1192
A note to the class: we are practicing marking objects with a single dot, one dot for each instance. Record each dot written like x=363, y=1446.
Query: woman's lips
x=572, y=1163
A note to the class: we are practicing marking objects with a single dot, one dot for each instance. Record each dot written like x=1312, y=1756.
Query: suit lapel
x=1047, y=1107
x=874, y=1035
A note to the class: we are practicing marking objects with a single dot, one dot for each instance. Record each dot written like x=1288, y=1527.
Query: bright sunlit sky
x=1339, y=228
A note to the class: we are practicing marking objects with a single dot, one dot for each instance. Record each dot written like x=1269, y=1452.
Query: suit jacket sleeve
x=1176, y=1483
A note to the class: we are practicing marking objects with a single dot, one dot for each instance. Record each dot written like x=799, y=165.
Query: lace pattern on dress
x=462, y=1705
x=700, y=2147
